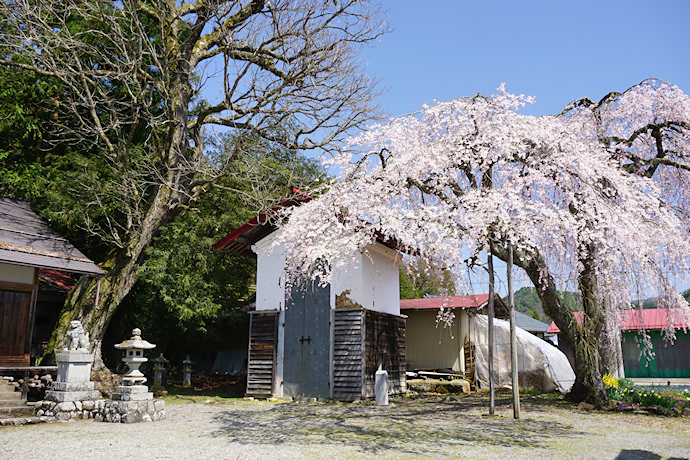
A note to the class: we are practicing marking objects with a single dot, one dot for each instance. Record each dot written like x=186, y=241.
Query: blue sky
x=555, y=50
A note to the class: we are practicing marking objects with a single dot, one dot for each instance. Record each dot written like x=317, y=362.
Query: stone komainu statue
x=77, y=338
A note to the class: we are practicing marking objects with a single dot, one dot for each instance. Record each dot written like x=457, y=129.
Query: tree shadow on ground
x=423, y=426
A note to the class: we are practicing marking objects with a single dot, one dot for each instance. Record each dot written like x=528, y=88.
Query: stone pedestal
x=131, y=404
x=74, y=366
x=132, y=393
x=73, y=379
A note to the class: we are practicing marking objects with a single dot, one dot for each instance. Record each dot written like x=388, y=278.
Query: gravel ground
x=432, y=427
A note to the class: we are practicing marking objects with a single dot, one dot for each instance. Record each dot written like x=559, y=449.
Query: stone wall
x=68, y=410
x=103, y=410
x=130, y=411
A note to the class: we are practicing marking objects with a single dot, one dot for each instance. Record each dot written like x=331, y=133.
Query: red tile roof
x=633, y=320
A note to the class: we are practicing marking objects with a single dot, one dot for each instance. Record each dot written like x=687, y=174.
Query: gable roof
x=529, y=324
x=478, y=302
x=636, y=319
x=240, y=240
x=27, y=240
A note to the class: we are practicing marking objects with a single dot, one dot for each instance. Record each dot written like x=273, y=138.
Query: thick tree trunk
x=121, y=274
x=583, y=339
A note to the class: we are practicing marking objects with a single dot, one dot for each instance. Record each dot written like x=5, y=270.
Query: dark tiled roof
x=25, y=239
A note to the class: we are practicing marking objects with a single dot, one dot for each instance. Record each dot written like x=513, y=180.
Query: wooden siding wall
x=261, y=365
x=385, y=342
x=431, y=345
x=348, y=369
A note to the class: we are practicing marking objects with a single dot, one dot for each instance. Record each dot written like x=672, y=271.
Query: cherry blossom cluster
x=445, y=181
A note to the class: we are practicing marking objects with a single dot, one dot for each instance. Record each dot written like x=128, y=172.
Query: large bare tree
x=148, y=85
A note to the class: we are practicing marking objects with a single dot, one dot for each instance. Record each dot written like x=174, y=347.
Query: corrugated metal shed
x=27, y=240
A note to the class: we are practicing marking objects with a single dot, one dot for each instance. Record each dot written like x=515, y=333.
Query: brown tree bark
x=583, y=338
x=121, y=274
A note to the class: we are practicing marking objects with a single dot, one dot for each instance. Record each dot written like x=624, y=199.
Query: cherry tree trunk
x=582, y=338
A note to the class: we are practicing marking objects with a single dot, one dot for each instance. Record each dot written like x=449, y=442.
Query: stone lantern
x=134, y=357
x=132, y=402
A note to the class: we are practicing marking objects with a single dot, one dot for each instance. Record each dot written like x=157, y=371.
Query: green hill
x=527, y=301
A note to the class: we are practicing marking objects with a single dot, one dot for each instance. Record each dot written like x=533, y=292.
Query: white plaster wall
x=348, y=279
x=373, y=282
x=270, y=274
x=16, y=274
x=381, y=279
x=373, y=279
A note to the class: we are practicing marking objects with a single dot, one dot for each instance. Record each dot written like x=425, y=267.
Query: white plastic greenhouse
x=541, y=366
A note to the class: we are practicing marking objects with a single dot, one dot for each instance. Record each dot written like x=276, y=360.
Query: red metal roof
x=260, y=220
x=240, y=240
x=430, y=303
x=634, y=320
x=462, y=301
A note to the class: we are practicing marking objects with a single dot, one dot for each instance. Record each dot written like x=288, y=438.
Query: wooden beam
x=10, y=286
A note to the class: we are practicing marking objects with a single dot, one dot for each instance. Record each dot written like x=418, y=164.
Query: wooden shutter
x=348, y=348
x=261, y=365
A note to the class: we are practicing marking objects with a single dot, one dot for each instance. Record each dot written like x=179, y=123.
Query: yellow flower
x=610, y=381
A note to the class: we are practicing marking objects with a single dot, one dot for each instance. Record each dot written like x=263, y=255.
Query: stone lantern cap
x=135, y=342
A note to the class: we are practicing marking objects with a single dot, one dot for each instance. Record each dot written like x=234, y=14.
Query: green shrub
x=625, y=384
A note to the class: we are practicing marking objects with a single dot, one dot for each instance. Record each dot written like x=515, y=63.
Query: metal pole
x=492, y=387
x=513, y=344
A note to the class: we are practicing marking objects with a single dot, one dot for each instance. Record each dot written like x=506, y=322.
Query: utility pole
x=513, y=344
x=492, y=386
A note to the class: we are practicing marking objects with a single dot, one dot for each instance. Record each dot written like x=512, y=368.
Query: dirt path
x=430, y=427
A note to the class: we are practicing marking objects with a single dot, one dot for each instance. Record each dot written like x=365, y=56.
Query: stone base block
x=130, y=411
x=74, y=356
x=69, y=386
x=132, y=393
x=132, y=397
x=62, y=396
x=132, y=389
x=74, y=366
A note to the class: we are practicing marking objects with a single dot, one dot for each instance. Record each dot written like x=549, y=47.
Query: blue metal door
x=307, y=343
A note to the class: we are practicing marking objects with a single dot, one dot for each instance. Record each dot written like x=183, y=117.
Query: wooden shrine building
x=28, y=244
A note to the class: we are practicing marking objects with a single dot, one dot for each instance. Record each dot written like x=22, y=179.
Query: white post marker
x=381, y=387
